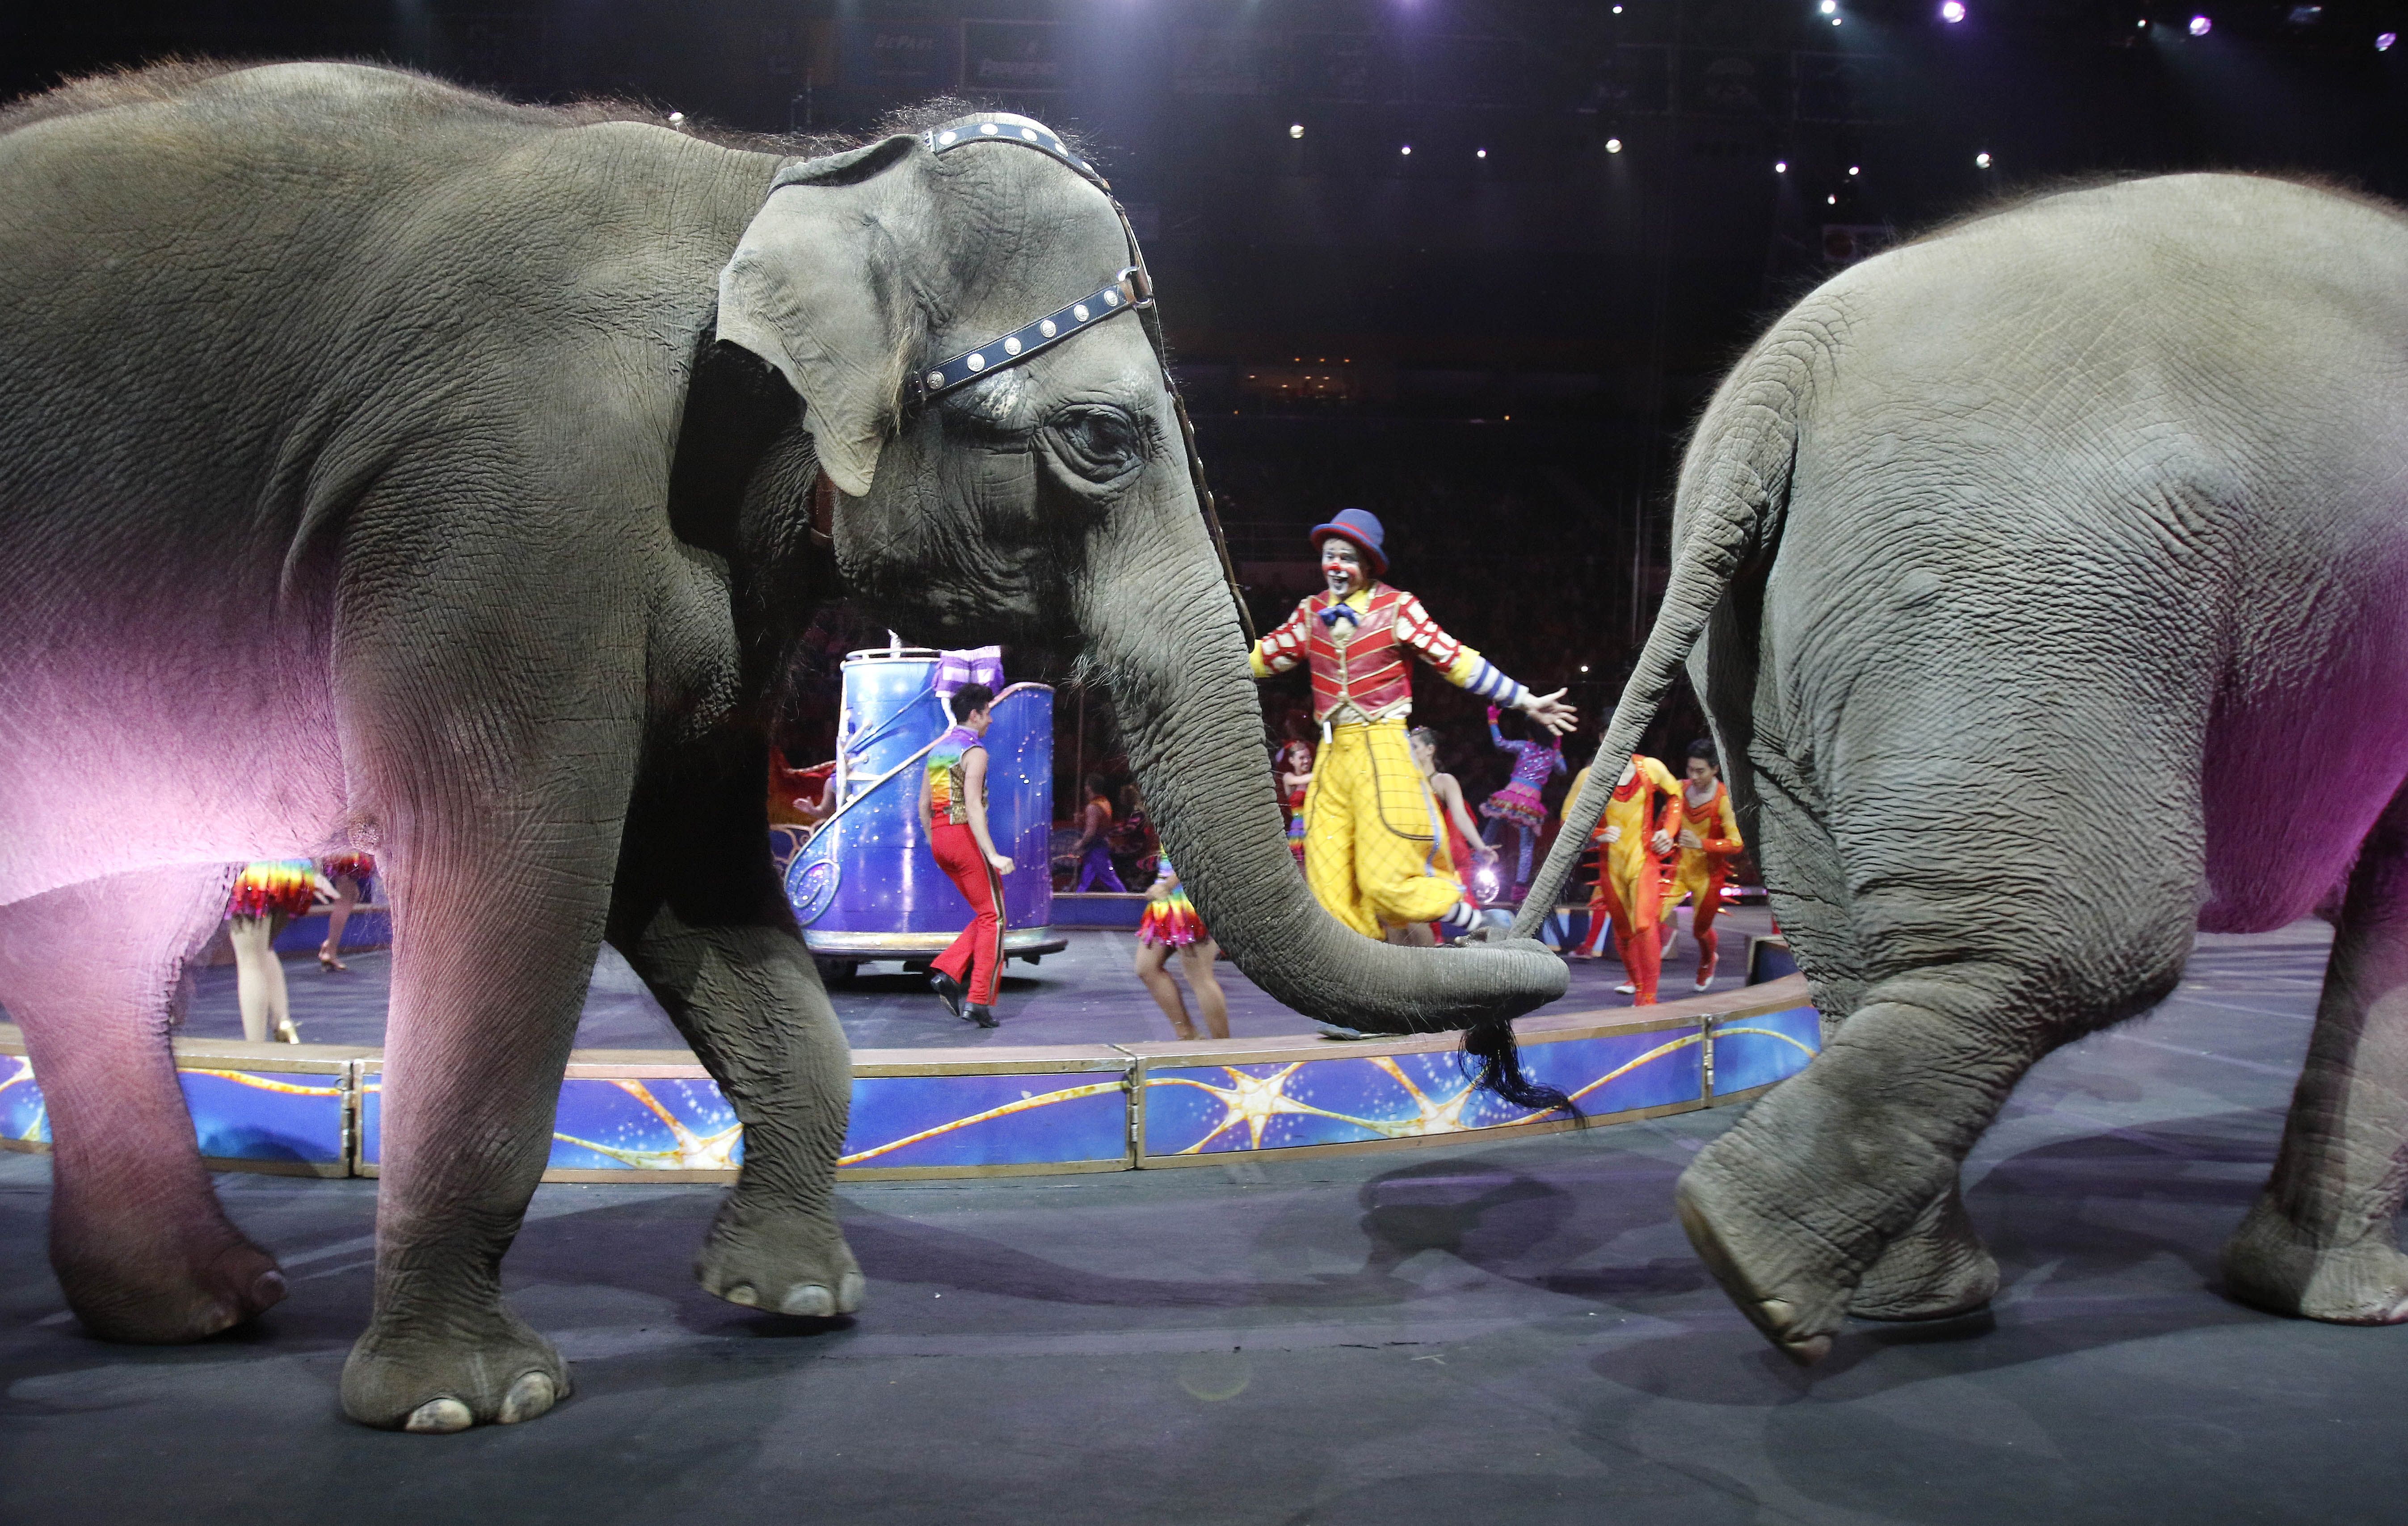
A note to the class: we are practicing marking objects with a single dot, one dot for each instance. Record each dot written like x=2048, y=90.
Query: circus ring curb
x=655, y=1116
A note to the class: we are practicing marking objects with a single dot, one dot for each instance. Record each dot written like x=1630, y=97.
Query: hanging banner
x=1221, y=63
x=1732, y=84
x=1474, y=71
x=1021, y=56
x=1640, y=82
x=1335, y=66
x=901, y=58
x=1844, y=88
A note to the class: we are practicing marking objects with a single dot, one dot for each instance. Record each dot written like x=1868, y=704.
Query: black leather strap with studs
x=1027, y=339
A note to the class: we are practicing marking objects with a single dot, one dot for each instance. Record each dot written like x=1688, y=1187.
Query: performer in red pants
x=1709, y=839
x=952, y=812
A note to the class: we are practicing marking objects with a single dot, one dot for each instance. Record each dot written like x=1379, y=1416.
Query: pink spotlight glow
x=2200, y=26
x=1952, y=11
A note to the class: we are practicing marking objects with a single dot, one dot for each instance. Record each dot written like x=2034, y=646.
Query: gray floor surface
x=1086, y=994
x=1511, y=1332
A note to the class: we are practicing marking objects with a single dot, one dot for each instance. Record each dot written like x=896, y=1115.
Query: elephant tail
x=1734, y=486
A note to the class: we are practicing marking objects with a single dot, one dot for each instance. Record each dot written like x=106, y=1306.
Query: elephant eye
x=1098, y=444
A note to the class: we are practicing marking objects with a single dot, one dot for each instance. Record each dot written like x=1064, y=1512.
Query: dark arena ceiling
x=1589, y=218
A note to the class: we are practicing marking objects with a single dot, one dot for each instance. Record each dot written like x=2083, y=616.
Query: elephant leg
x=1937, y=1267
x=140, y=1244
x=750, y=1002
x=1968, y=980
x=700, y=915
x=496, y=928
x=2319, y=1241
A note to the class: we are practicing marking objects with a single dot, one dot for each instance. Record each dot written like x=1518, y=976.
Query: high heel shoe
x=287, y=1033
x=329, y=964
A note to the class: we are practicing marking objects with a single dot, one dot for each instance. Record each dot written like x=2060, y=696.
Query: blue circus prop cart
x=865, y=886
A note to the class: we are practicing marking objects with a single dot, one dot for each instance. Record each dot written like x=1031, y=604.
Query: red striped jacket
x=1358, y=668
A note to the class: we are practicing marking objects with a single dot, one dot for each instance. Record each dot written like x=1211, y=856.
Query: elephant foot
x=438, y=1374
x=1937, y=1269
x=2269, y=1265
x=1764, y=1265
x=785, y=1263
x=147, y=1297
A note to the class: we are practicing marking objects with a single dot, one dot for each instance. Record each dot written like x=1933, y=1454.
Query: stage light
x=1952, y=11
x=677, y=119
x=1781, y=167
x=1406, y=149
x=1617, y=10
x=1584, y=666
x=1829, y=8
x=1613, y=145
x=2144, y=23
x=1981, y=160
x=1296, y=129
x=2200, y=26
x=2383, y=40
x=1854, y=170
x=1830, y=201
x=1480, y=153
x=1835, y=21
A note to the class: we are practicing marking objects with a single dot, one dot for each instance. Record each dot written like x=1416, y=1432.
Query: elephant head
x=1048, y=499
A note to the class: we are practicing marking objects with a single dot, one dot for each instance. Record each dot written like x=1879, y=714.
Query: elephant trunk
x=1735, y=475
x=1163, y=635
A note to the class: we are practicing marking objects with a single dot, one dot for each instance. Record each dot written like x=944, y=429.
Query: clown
x=1372, y=833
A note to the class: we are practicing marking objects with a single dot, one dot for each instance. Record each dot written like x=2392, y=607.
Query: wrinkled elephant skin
x=388, y=465
x=2043, y=582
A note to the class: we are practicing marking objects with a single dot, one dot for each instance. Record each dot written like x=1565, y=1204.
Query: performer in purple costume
x=1519, y=807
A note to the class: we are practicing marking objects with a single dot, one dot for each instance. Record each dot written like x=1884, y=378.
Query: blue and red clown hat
x=1361, y=527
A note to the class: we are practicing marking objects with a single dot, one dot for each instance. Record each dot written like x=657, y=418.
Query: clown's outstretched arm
x=1282, y=649
x=1466, y=668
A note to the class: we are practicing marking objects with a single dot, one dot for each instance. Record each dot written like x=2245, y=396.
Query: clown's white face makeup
x=1342, y=564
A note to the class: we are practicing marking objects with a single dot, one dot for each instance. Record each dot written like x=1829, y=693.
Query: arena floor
x=1503, y=1332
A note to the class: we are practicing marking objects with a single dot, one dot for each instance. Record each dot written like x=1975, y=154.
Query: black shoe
x=984, y=1017
x=948, y=987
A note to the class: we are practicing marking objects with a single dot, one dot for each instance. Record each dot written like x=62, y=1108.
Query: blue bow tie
x=1331, y=615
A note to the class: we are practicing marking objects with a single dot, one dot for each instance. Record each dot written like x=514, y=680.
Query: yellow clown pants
x=1374, y=850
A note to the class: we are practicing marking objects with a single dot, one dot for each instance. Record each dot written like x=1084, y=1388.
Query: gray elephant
x=2046, y=582
x=389, y=466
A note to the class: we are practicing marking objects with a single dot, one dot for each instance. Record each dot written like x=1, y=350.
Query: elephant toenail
x=1806, y=1353
x=270, y=1289
x=742, y=1293
x=439, y=1418
x=849, y=1291
x=529, y=1397
x=810, y=1300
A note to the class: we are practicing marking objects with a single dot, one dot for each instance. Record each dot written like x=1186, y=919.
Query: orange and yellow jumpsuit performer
x=1700, y=871
x=1629, y=881
x=1374, y=845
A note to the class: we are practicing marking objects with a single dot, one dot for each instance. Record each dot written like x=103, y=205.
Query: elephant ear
x=817, y=288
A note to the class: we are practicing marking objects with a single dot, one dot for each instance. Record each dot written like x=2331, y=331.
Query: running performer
x=952, y=814
x=1708, y=841
x=1371, y=847
x=1629, y=879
